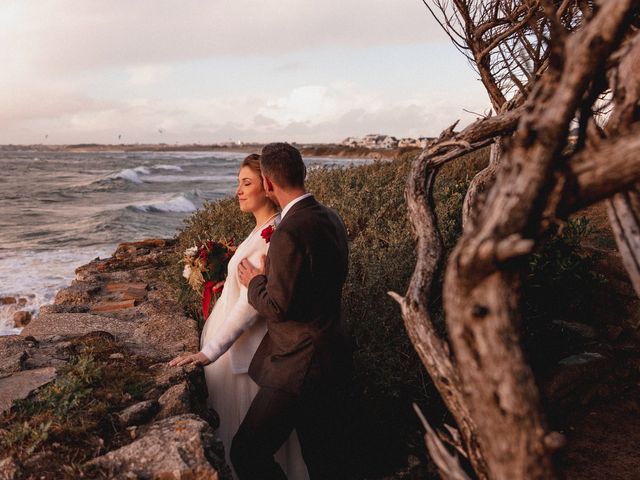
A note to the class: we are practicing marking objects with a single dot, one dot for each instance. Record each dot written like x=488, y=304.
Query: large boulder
x=574, y=376
x=21, y=384
x=176, y=448
x=175, y=401
x=138, y=413
x=79, y=293
x=13, y=354
x=21, y=318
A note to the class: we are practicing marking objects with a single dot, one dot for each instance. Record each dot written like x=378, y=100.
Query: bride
x=233, y=332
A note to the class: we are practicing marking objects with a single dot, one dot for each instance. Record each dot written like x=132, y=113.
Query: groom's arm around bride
x=303, y=361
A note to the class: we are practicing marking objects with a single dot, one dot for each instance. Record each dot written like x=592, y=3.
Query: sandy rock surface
x=124, y=300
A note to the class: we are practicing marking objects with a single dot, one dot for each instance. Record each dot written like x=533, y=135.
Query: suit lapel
x=301, y=205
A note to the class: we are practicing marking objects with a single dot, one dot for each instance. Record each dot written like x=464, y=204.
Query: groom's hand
x=246, y=271
x=196, y=358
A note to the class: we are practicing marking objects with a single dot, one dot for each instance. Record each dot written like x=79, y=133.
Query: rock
x=22, y=302
x=7, y=300
x=116, y=356
x=21, y=384
x=79, y=293
x=52, y=325
x=138, y=414
x=9, y=469
x=175, y=401
x=585, y=331
x=148, y=243
x=613, y=332
x=124, y=286
x=64, y=309
x=21, y=318
x=13, y=355
x=176, y=448
x=575, y=374
x=113, y=306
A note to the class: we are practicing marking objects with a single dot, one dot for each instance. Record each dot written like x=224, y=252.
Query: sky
x=205, y=71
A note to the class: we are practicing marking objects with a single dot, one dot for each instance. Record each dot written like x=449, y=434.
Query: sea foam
x=131, y=174
x=37, y=276
x=180, y=204
x=176, y=168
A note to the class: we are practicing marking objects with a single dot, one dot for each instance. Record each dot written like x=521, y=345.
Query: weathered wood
x=624, y=208
x=432, y=350
x=594, y=174
x=624, y=215
x=481, y=295
x=476, y=195
x=448, y=464
x=488, y=385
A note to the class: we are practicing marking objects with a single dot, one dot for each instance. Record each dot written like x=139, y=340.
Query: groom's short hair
x=283, y=164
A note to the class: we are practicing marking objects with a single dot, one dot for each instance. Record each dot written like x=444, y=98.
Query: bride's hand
x=195, y=358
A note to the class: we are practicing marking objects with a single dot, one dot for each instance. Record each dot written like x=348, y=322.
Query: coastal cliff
x=85, y=390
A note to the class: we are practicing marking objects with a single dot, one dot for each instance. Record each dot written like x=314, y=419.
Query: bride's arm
x=239, y=319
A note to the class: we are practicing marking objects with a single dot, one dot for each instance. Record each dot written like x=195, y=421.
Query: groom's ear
x=267, y=184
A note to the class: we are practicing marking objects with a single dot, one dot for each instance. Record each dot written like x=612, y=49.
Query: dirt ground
x=603, y=440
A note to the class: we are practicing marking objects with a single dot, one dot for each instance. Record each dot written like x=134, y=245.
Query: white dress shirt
x=288, y=206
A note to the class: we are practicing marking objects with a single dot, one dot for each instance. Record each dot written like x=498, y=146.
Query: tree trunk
x=624, y=215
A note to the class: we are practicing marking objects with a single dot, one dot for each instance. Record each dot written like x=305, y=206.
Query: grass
x=68, y=422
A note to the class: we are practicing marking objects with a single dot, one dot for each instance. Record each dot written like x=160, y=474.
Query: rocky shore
x=85, y=390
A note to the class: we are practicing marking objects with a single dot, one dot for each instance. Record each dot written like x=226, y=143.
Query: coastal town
x=379, y=141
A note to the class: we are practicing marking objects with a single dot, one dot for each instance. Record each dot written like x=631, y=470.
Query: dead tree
x=548, y=73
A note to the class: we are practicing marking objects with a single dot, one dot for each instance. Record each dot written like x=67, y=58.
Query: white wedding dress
x=230, y=338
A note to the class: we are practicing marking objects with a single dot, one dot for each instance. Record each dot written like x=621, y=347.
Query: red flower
x=266, y=233
x=203, y=253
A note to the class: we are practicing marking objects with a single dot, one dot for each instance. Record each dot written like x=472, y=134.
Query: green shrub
x=388, y=374
x=65, y=418
x=561, y=283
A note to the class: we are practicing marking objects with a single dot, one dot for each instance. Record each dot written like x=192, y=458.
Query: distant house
x=372, y=140
x=389, y=142
x=351, y=142
x=408, y=142
x=423, y=141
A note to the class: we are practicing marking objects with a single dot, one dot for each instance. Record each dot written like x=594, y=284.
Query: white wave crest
x=179, y=204
x=35, y=276
x=131, y=174
x=176, y=168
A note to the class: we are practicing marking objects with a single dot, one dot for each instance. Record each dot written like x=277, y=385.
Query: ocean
x=59, y=210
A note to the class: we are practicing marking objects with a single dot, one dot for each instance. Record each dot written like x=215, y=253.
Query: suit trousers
x=316, y=413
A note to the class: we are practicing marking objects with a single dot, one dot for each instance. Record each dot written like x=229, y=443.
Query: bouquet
x=205, y=269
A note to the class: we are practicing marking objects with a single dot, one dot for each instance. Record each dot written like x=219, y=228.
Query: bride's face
x=251, y=195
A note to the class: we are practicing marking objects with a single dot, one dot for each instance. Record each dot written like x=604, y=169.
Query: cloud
x=89, y=71
x=146, y=75
x=307, y=113
x=76, y=34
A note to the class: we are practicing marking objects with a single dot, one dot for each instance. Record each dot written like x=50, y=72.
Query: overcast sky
x=217, y=70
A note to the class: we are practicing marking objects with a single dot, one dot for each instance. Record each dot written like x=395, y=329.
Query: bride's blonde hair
x=253, y=162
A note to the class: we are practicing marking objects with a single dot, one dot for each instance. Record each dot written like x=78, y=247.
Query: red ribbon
x=210, y=289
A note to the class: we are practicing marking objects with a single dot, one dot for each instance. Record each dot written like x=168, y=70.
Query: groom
x=303, y=361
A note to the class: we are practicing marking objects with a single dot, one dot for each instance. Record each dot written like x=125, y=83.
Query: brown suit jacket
x=300, y=296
